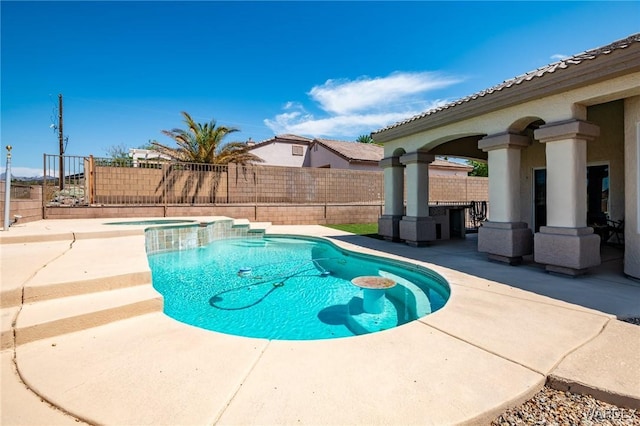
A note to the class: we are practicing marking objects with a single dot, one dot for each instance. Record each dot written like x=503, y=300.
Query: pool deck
x=84, y=339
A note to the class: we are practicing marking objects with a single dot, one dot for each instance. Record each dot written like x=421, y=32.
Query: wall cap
x=503, y=141
x=572, y=129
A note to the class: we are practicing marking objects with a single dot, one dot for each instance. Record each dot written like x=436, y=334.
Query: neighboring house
x=141, y=156
x=563, y=148
x=282, y=150
x=344, y=155
x=298, y=151
x=441, y=167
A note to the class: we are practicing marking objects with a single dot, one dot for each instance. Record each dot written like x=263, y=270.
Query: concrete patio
x=84, y=339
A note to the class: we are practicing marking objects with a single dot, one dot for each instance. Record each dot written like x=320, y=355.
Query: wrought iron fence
x=90, y=181
x=64, y=180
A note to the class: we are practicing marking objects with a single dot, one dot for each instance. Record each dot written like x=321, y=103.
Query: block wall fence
x=28, y=204
x=280, y=195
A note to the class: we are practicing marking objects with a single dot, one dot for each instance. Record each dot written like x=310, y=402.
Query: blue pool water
x=288, y=288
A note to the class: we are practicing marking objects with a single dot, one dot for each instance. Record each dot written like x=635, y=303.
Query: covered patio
x=562, y=144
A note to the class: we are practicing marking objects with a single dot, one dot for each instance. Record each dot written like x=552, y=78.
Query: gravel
x=635, y=321
x=552, y=407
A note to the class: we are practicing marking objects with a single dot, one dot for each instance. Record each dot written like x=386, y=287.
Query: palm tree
x=365, y=139
x=203, y=143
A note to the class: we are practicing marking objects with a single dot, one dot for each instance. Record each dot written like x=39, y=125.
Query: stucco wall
x=280, y=154
x=319, y=156
x=531, y=158
x=632, y=186
x=322, y=157
x=550, y=109
x=608, y=148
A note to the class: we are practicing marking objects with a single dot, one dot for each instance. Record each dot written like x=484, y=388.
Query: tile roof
x=288, y=136
x=446, y=164
x=353, y=151
x=572, y=61
x=284, y=138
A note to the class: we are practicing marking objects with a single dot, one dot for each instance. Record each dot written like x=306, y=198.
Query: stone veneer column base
x=505, y=241
x=389, y=227
x=569, y=251
x=417, y=231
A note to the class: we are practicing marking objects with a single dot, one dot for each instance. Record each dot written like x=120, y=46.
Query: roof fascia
x=608, y=66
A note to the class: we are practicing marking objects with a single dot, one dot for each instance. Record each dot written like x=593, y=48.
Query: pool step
x=49, y=318
x=41, y=292
x=123, y=263
x=64, y=289
x=6, y=335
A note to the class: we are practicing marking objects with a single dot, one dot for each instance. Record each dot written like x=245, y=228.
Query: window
x=539, y=198
x=297, y=150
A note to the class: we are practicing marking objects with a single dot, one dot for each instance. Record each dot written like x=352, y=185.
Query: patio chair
x=478, y=212
x=615, y=230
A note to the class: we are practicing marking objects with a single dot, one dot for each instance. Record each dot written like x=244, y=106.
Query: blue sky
x=319, y=69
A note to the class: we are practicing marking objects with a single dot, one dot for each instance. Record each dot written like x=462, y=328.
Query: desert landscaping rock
x=554, y=407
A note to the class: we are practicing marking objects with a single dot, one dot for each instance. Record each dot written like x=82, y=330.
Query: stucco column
x=389, y=222
x=566, y=244
x=504, y=237
x=416, y=227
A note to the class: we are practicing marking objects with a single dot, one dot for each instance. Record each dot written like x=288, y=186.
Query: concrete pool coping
x=504, y=333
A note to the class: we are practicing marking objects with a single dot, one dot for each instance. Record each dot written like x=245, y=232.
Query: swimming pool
x=289, y=288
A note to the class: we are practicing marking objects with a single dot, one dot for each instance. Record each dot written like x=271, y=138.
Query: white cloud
x=559, y=57
x=343, y=96
x=342, y=124
x=351, y=108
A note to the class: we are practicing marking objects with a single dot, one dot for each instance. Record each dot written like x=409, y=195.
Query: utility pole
x=61, y=140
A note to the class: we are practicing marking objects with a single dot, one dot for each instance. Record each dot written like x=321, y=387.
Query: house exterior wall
x=550, y=109
x=280, y=154
x=608, y=148
x=532, y=158
x=320, y=156
x=632, y=186
x=582, y=126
